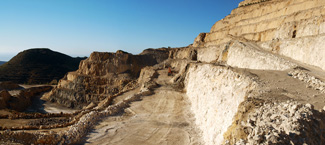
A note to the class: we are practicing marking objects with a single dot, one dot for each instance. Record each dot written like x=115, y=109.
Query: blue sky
x=79, y=27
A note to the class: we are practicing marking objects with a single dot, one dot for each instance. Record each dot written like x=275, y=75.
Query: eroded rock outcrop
x=103, y=74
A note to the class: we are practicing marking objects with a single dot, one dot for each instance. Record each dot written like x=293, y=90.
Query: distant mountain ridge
x=2, y=62
x=38, y=66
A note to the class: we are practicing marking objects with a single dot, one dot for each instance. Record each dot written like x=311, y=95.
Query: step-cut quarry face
x=101, y=75
x=293, y=28
x=269, y=20
x=215, y=93
x=244, y=55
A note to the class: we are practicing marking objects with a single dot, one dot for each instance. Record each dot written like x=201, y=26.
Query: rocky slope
x=38, y=66
x=102, y=75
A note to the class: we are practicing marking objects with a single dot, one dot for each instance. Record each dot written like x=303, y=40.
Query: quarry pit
x=256, y=78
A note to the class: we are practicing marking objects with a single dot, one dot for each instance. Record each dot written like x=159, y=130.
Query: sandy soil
x=162, y=118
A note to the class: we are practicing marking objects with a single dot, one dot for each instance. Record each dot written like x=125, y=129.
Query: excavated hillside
x=103, y=75
x=257, y=77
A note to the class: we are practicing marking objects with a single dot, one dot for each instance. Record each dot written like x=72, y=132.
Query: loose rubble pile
x=284, y=123
x=49, y=121
x=21, y=115
x=311, y=81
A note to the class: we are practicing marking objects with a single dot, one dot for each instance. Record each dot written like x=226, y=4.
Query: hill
x=37, y=66
x=2, y=62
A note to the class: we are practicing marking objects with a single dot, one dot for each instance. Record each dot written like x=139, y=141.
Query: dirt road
x=163, y=118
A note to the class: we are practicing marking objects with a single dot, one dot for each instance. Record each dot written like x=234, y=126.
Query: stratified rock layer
x=292, y=28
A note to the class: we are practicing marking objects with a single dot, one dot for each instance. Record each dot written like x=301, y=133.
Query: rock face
x=215, y=102
x=38, y=66
x=103, y=74
x=183, y=53
x=291, y=28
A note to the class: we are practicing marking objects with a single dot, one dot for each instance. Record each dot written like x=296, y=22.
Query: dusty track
x=162, y=118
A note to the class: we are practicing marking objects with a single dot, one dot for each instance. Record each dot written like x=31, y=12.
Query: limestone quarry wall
x=289, y=27
x=309, y=50
x=262, y=21
x=244, y=55
x=249, y=55
x=215, y=93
